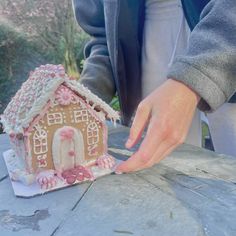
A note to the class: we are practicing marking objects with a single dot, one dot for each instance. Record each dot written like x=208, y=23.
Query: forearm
x=97, y=72
x=209, y=64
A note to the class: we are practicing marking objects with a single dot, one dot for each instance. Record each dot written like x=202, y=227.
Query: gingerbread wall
x=77, y=115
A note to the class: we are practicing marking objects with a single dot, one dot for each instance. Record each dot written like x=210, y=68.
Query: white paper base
x=22, y=190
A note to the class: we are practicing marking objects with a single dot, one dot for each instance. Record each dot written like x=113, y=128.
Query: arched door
x=67, y=148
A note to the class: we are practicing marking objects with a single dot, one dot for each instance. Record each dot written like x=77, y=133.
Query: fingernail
x=118, y=172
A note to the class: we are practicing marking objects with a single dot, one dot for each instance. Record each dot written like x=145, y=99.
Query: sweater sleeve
x=97, y=72
x=209, y=66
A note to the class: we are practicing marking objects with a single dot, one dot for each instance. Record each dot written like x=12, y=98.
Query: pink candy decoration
x=78, y=173
x=64, y=95
x=47, y=179
x=106, y=162
x=12, y=135
x=71, y=179
x=42, y=162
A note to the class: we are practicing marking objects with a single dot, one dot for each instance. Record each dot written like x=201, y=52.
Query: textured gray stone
x=4, y=145
x=192, y=192
x=40, y=215
x=129, y=205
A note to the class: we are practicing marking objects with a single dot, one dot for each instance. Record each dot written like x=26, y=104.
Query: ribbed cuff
x=211, y=95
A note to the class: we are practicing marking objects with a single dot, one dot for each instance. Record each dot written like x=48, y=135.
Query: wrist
x=186, y=89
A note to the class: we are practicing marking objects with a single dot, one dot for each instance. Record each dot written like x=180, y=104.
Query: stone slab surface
x=40, y=215
x=132, y=206
x=4, y=146
x=192, y=192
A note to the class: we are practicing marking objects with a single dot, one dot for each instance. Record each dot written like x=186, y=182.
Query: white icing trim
x=80, y=115
x=22, y=176
x=90, y=97
x=92, y=133
x=40, y=142
x=91, y=149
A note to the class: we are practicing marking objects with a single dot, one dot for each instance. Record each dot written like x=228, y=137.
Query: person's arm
x=209, y=66
x=208, y=69
x=168, y=112
x=97, y=71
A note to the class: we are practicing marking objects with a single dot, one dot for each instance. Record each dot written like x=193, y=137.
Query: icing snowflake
x=64, y=96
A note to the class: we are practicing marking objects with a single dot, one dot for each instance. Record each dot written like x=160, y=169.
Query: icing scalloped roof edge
x=49, y=89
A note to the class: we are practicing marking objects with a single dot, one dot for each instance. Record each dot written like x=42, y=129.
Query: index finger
x=139, y=124
x=154, y=137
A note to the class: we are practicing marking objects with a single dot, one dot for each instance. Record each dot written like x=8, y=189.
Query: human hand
x=168, y=112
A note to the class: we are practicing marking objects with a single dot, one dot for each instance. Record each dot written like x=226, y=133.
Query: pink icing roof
x=38, y=90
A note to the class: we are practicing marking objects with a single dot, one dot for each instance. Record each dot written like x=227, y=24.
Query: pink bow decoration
x=67, y=134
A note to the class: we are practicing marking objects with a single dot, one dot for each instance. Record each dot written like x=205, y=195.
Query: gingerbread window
x=40, y=141
x=54, y=118
x=92, y=133
x=81, y=116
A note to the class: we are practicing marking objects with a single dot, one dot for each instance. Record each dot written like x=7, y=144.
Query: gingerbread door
x=67, y=148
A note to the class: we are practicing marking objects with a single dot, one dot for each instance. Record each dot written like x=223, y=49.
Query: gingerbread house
x=56, y=127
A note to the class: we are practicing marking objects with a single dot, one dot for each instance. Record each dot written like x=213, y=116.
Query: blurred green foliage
x=20, y=54
x=17, y=57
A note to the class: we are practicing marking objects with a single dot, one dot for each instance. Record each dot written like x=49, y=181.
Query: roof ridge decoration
x=38, y=90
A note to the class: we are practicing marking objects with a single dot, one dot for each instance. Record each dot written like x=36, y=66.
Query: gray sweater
x=208, y=67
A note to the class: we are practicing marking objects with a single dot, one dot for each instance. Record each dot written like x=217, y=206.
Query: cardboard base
x=34, y=189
